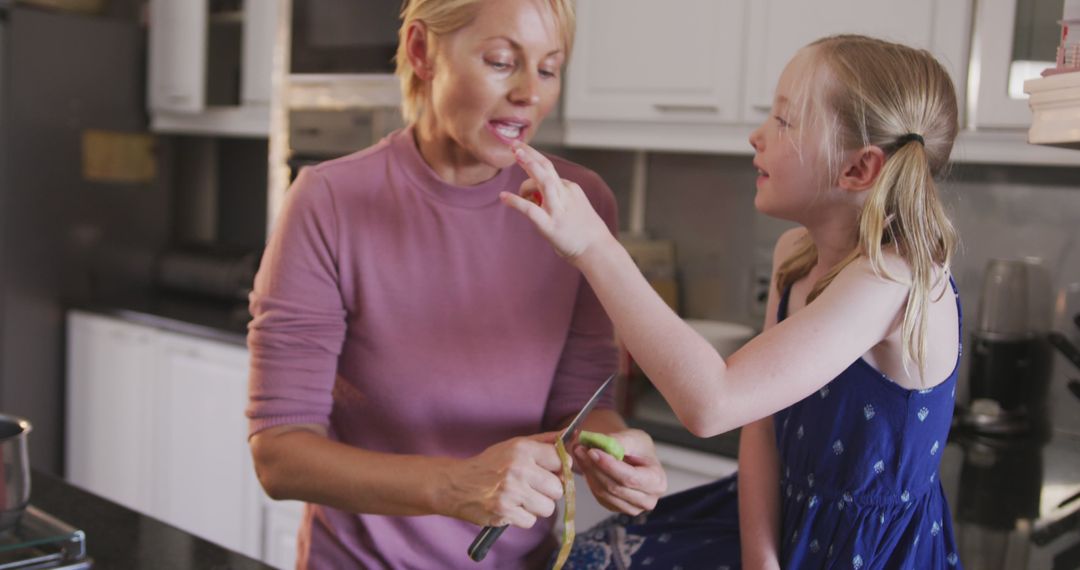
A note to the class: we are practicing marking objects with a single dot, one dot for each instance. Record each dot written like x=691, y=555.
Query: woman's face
x=788, y=154
x=494, y=80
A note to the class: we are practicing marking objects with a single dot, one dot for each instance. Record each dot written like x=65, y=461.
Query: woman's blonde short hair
x=446, y=16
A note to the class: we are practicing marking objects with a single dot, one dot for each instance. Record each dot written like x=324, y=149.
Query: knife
x=487, y=537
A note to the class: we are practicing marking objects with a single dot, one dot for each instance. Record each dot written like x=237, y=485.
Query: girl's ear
x=417, y=50
x=862, y=168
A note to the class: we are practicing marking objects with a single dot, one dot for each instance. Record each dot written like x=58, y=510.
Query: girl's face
x=788, y=153
x=493, y=82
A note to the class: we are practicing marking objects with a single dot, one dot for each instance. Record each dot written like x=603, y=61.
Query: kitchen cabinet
x=283, y=520
x=699, y=76
x=638, y=80
x=209, y=66
x=156, y=423
x=654, y=75
x=201, y=457
x=778, y=28
x=108, y=446
x=1016, y=40
x=640, y=60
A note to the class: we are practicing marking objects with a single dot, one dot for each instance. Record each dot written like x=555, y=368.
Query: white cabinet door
x=676, y=61
x=177, y=59
x=260, y=30
x=778, y=28
x=108, y=371
x=282, y=524
x=1000, y=67
x=205, y=482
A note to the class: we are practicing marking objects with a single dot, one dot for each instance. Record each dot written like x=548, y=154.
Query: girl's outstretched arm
x=774, y=370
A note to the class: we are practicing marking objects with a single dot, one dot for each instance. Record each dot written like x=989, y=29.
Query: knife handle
x=484, y=541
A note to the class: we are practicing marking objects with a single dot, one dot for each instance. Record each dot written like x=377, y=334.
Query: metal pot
x=14, y=471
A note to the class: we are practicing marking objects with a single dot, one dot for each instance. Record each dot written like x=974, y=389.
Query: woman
x=412, y=338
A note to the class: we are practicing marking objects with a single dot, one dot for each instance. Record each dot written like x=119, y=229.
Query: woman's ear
x=417, y=50
x=862, y=168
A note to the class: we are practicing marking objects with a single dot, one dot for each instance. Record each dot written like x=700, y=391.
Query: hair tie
x=904, y=139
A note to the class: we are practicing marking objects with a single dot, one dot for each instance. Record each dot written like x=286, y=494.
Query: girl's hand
x=630, y=486
x=558, y=208
x=513, y=482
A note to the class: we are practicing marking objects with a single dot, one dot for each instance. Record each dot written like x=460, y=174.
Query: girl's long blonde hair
x=446, y=16
x=873, y=92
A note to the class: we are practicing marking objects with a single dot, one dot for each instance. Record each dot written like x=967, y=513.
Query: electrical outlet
x=760, y=278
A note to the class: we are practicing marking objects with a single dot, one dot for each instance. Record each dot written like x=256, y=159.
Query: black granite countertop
x=118, y=537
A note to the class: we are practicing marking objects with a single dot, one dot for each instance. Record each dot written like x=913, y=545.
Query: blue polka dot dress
x=858, y=489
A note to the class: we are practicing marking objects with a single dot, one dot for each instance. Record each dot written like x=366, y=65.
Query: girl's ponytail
x=903, y=211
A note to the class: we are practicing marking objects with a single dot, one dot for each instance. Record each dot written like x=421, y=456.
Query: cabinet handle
x=762, y=108
x=678, y=108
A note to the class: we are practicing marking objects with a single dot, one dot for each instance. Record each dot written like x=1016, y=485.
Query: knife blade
x=575, y=424
x=487, y=537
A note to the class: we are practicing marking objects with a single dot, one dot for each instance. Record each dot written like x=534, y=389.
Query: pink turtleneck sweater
x=412, y=316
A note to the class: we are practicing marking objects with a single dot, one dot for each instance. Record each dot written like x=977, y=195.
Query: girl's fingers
x=534, y=213
x=540, y=169
x=530, y=190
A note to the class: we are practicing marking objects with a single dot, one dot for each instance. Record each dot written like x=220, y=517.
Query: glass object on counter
x=41, y=541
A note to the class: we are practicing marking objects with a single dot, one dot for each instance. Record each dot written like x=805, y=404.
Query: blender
x=1009, y=377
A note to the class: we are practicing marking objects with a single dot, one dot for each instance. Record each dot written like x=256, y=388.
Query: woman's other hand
x=513, y=482
x=558, y=208
x=630, y=486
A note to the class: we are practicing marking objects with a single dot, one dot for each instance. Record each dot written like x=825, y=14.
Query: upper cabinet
x=655, y=75
x=210, y=66
x=1015, y=41
x=698, y=75
x=641, y=60
x=778, y=28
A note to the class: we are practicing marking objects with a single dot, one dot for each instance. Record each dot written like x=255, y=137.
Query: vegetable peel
x=569, y=498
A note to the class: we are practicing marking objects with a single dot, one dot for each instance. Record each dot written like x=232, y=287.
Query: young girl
x=847, y=395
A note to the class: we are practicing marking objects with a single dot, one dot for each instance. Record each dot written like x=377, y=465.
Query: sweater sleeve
x=589, y=355
x=298, y=324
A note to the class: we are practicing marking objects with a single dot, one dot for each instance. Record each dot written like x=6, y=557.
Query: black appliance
x=1010, y=354
x=344, y=36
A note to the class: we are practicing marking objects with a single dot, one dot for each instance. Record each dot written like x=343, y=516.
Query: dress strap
x=781, y=309
x=959, y=313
